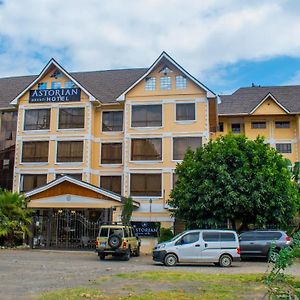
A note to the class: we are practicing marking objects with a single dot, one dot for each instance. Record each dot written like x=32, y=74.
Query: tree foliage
x=234, y=178
x=127, y=211
x=14, y=217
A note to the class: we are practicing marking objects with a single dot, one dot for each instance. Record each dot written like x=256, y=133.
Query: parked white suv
x=220, y=247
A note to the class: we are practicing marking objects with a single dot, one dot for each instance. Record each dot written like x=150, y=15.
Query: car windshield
x=177, y=236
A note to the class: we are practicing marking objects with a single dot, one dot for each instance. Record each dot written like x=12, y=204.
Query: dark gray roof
x=105, y=86
x=244, y=100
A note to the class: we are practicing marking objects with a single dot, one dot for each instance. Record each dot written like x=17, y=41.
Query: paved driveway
x=26, y=273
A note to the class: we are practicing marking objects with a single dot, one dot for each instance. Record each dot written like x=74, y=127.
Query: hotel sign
x=149, y=229
x=54, y=95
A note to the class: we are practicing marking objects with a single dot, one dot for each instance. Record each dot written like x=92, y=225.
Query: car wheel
x=170, y=260
x=126, y=255
x=225, y=261
x=273, y=255
x=102, y=257
x=114, y=241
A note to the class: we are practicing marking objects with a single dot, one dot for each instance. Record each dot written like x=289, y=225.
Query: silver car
x=220, y=247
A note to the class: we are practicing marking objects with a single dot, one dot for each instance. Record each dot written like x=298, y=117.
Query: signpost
x=55, y=95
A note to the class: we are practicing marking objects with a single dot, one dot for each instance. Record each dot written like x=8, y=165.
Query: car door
x=248, y=244
x=210, y=246
x=188, y=247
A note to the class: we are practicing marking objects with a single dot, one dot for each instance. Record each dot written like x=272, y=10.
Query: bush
x=165, y=234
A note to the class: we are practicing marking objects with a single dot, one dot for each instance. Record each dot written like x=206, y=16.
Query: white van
x=220, y=247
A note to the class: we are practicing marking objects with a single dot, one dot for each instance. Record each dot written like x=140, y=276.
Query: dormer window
x=180, y=83
x=55, y=85
x=57, y=74
x=150, y=84
x=69, y=85
x=42, y=86
x=165, y=83
x=165, y=70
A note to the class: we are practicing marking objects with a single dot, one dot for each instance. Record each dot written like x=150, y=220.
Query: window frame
x=146, y=161
x=112, y=175
x=148, y=79
x=21, y=181
x=283, y=127
x=291, y=145
x=258, y=122
x=53, y=83
x=36, y=130
x=76, y=163
x=111, y=164
x=236, y=123
x=147, y=127
x=147, y=196
x=113, y=131
x=187, y=120
x=169, y=87
x=184, y=136
x=34, y=162
x=71, y=129
x=178, y=87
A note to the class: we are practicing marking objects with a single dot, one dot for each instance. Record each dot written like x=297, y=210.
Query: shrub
x=165, y=234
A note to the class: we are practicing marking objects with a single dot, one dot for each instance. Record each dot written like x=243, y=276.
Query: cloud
x=95, y=34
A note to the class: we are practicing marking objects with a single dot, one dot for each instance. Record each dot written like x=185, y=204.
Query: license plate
x=103, y=244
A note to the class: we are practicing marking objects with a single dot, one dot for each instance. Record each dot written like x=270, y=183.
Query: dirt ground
x=27, y=273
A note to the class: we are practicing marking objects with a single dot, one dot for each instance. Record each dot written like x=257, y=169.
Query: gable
x=165, y=69
x=269, y=107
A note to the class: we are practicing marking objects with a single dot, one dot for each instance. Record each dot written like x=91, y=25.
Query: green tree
x=234, y=178
x=127, y=211
x=14, y=217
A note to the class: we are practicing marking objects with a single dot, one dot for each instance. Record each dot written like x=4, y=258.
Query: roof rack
x=115, y=223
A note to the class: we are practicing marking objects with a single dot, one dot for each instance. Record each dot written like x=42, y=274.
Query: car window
x=103, y=232
x=116, y=231
x=268, y=235
x=248, y=236
x=189, y=238
x=211, y=236
x=227, y=237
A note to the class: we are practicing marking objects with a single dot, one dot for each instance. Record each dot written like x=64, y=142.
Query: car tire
x=225, y=261
x=126, y=255
x=137, y=252
x=102, y=257
x=170, y=260
x=114, y=241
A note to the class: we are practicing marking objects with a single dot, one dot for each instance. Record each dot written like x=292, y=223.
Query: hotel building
x=81, y=142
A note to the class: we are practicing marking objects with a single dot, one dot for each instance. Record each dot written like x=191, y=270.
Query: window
x=180, y=82
x=248, y=236
x=185, y=112
x=77, y=176
x=236, y=128
x=211, y=236
x=189, y=238
x=282, y=124
x=263, y=236
x=150, y=84
x=103, y=232
x=111, y=153
x=284, y=148
x=145, y=185
x=69, y=85
x=146, y=115
x=165, y=83
x=71, y=118
x=42, y=86
x=56, y=85
x=182, y=144
x=69, y=151
x=258, y=125
x=111, y=183
x=227, y=237
x=32, y=181
x=221, y=127
x=146, y=149
x=112, y=121
x=37, y=119
x=35, y=151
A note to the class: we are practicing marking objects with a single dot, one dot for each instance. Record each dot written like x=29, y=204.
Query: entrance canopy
x=68, y=192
